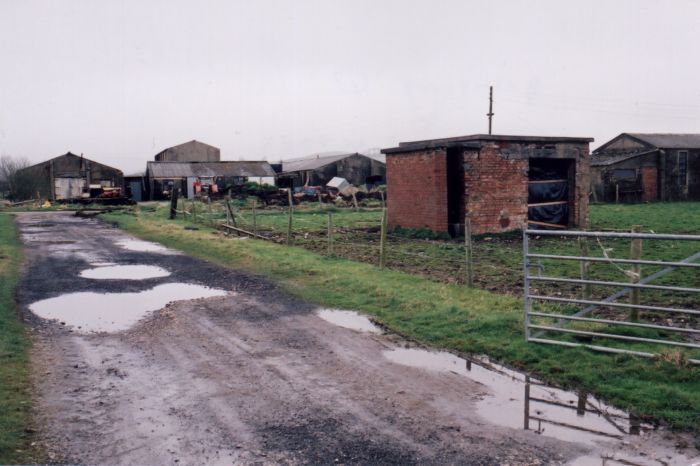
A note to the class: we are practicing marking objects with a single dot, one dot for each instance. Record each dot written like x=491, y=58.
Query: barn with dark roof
x=644, y=167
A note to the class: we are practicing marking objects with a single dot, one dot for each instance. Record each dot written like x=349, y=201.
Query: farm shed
x=67, y=177
x=319, y=169
x=637, y=167
x=501, y=182
x=190, y=176
x=135, y=186
x=193, y=151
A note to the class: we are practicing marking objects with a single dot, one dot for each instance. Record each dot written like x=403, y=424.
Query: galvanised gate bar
x=537, y=331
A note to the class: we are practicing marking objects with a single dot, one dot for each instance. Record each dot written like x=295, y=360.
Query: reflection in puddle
x=112, y=312
x=142, y=246
x=519, y=402
x=348, y=319
x=125, y=272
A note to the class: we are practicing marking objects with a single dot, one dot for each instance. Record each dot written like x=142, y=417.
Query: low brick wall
x=417, y=190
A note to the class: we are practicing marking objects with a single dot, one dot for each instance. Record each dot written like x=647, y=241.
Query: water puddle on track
x=348, y=319
x=112, y=312
x=143, y=246
x=514, y=400
x=124, y=272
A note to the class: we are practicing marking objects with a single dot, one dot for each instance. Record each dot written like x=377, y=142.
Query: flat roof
x=476, y=141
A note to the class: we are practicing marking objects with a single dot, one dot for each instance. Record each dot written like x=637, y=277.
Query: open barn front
x=551, y=193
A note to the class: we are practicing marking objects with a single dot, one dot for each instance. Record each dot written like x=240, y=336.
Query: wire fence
x=489, y=262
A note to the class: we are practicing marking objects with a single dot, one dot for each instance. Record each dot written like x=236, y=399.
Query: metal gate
x=576, y=318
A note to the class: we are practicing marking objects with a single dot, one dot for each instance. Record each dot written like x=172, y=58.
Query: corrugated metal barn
x=193, y=151
x=641, y=167
x=68, y=176
x=318, y=169
x=163, y=176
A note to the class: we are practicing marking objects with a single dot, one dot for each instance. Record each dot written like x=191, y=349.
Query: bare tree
x=13, y=183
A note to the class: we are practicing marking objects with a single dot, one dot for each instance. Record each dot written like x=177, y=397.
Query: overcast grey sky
x=121, y=80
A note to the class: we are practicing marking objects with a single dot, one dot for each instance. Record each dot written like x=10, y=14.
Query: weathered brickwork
x=649, y=184
x=495, y=191
x=496, y=176
x=418, y=194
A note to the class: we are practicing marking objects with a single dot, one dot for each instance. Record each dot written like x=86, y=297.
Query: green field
x=451, y=316
x=15, y=402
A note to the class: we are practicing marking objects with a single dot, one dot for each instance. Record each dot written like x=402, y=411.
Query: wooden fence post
x=173, y=204
x=291, y=212
x=194, y=212
x=330, y=233
x=468, y=252
x=211, y=220
x=635, y=254
x=617, y=193
x=255, y=217
x=382, y=241
x=232, y=215
x=584, y=265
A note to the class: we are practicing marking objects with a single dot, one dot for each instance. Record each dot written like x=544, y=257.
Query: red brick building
x=501, y=182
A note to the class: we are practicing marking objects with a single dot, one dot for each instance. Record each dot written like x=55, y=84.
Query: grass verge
x=444, y=316
x=15, y=403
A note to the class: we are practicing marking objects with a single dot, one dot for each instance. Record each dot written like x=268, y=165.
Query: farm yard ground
x=249, y=376
x=273, y=335
x=449, y=316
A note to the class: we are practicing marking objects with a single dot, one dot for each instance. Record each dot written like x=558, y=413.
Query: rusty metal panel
x=68, y=188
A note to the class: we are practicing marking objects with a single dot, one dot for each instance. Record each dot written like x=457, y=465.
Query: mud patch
x=124, y=272
x=113, y=312
x=327, y=441
x=349, y=319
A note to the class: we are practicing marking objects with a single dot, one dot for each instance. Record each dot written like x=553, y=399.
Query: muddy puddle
x=112, y=312
x=124, y=272
x=511, y=399
x=348, y=319
x=143, y=246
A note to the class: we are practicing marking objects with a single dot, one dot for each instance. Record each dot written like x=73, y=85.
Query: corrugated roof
x=669, y=140
x=601, y=160
x=188, y=143
x=170, y=170
x=314, y=162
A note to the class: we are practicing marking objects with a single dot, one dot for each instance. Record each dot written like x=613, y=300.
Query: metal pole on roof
x=490, y=114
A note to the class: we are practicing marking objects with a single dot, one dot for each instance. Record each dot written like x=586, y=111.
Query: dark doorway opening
x=550, y=200
x=455, y=192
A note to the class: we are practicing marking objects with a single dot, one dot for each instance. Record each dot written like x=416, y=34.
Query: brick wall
x=649, y=184
x=417, y=196
x=495, y=191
